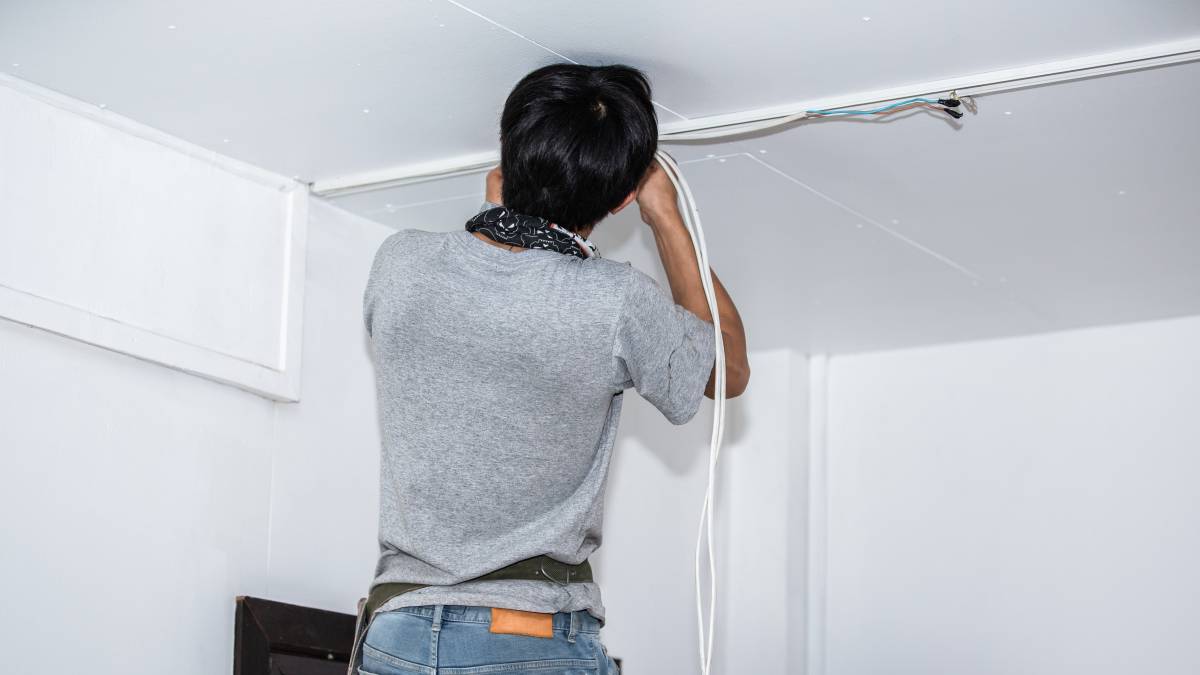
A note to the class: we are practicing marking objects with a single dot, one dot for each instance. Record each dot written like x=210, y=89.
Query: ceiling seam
x=907, y=240
x=710, y=158
x=679, y=115
x=501, y=26
x=1008, y=297
x=946, y=260
x=539, y=45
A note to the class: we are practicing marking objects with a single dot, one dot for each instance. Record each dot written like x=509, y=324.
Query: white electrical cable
x=691, y=220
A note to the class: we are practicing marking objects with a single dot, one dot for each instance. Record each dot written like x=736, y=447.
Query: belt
x=537, y=568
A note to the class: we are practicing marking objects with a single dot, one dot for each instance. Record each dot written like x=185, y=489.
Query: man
x=502, y=352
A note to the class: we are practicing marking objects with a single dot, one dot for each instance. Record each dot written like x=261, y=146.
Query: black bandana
x=506, y=227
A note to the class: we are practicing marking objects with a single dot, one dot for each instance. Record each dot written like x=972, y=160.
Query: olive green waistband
x=537, y=568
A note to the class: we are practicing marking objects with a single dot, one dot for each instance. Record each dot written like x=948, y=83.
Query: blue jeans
x=455, y=640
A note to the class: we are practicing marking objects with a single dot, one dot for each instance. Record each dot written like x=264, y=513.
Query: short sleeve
x=377, y=276
x=662, y=349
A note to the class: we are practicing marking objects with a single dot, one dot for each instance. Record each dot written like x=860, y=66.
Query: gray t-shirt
x=500, y=378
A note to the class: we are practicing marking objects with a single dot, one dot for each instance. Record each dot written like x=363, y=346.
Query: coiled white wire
x=691, y=220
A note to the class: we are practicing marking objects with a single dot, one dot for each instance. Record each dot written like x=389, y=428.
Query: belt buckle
x=549, y=576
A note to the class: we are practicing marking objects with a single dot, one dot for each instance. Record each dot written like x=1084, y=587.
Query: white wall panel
x=1023, y=506
x=119, y=236
x=133, y=509
x=132, y=493
x=325, y=486
x=646, y=565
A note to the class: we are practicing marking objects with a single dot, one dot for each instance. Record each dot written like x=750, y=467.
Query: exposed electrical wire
x=946, y=105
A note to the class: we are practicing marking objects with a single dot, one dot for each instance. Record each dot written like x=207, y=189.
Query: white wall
x=133, y=508
x=325, y=477
x=134, y=497
x=1021, y=506
x=646, y=564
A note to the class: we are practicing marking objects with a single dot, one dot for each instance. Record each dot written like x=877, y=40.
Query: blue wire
x=874, y=111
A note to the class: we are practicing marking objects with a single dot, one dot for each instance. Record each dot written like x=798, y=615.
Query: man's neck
x=507, y=247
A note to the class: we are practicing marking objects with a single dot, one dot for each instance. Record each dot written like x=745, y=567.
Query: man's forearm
x=678, y=258
x=679, y=261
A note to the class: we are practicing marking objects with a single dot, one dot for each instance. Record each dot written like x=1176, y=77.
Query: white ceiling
x=1055, y=207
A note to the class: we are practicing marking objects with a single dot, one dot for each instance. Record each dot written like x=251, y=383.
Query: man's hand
x=656, y=197
x=494, y=190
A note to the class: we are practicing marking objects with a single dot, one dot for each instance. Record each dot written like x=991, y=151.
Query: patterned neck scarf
x=507, y=227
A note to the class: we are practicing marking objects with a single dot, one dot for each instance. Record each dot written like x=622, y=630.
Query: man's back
x=499, y=380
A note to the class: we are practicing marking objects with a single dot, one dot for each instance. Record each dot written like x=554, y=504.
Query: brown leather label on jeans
x=520, y=622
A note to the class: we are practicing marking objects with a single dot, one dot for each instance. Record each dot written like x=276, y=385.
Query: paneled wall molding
x=124, y=237
x=279, y=381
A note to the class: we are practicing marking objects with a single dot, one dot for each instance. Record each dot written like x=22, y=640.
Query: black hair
x=575, y=140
